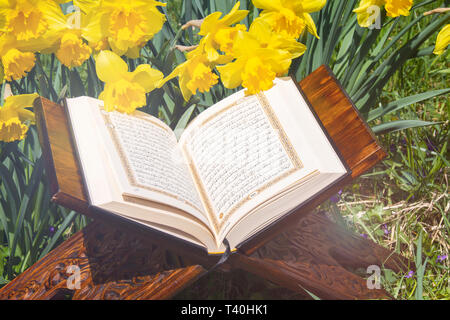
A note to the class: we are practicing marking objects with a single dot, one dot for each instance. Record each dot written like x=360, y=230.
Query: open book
x=238, y=167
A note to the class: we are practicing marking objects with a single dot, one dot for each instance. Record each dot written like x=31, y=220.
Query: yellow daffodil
x=396, y=8
x=202, y=78
x=213, y=28
x=443, y=40
x=66, y=39
x=196, y=72
x=125, y=91
x=261, y=55
x=15, y=118
x=24, y=26
x=290, y=17
x=366, y=15
x=26, y=19
x=17, y=64
x=127, y=24
x=17, y=57
x=226, y=37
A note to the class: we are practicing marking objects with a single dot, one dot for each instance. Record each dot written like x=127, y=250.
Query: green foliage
x=364, y=60
x=26, y=214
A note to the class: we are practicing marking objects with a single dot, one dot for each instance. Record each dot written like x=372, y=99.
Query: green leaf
x=26, y=206
x=184, y=120
x=370, y=90
x=399, y=104
x=310, y=293
x=63, y=94
x=76, y=85
x=400, y=125
x=11, y=189
x=420, y=269
x=67, y=221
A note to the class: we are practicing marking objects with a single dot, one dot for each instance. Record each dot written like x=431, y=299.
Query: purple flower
x=364, y=235
x=403, y=141
x=409, y=274
x=385, y=229
x=421, y=172
x=393, y=148
x=430, y=145
x=441, y=258
x=336, y=197
x=51, y=230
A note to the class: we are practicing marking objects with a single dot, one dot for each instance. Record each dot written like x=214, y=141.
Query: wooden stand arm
x=323, y=258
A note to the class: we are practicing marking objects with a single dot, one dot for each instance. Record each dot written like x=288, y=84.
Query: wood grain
x=61, y=165
x=348, y=130
x=324, y=258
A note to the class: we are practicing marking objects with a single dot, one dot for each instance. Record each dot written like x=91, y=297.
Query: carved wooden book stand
x=116, y=262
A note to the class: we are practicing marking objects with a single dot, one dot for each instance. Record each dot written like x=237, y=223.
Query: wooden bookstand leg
x=321, y=257
x=111, y=264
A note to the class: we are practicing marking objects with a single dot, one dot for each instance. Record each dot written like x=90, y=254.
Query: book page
x=152, y=162
x=237, y=152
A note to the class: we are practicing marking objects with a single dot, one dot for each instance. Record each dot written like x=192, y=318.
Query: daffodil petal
x=231, y=74
x=26, y=115
x=209, y=23
x=86, y=5
x=274, y=5
x=312, y=5
x=120, y=47
x=147, y=77
x=395, y=8
x=20, y=101
x=175, y=73
x=443, y=40
x=110, y=67
x=234, y=15
x=187, y=94
x=310, y=25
